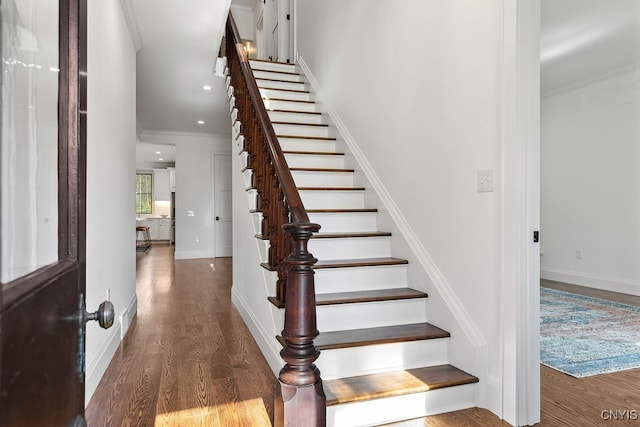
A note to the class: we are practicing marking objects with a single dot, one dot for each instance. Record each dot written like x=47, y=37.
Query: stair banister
x=287, y=226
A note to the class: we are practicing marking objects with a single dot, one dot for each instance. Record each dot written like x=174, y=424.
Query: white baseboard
x=109, y=347
x=264, y=340
x=607, y=283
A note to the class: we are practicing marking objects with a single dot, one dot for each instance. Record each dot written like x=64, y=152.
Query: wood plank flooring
x=189, y=360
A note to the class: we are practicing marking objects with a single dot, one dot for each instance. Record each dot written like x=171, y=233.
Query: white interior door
x=222, y=204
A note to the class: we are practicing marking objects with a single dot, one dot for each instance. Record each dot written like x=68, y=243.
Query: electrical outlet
x=578, y=253
x=485, y=180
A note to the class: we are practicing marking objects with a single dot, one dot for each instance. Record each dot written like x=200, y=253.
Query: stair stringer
x=468, y=348
x=252, y=284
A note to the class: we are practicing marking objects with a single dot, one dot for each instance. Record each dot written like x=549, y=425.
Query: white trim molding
x=520, y=170
x=454, y=305
x=132, y=23
x=596, y=281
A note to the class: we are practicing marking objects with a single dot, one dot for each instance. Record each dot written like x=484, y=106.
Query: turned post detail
x=286, y=225
x=303, y=400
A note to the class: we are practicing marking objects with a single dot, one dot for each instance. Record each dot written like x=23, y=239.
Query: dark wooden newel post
x=303, y=400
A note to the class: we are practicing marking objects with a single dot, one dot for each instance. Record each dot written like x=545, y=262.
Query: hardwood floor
x=189, y=360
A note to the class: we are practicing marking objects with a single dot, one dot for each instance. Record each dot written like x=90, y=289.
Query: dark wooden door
x=42, y=256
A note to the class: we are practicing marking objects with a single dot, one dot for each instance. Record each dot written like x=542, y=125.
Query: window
x=144, y=192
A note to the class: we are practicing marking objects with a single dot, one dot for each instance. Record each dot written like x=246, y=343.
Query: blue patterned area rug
x=583, y=336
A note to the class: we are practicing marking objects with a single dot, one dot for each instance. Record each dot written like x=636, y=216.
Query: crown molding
x=132, y=23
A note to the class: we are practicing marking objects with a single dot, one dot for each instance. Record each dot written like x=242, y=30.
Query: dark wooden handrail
x=294, y=202
x=286, y=224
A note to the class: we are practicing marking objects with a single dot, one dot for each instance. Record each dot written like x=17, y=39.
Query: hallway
x=188, y=359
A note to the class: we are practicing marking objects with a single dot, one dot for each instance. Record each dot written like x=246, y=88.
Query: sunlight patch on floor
x=250, y=412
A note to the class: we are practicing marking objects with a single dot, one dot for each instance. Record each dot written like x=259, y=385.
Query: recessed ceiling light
x=200, y=122
x=158, y=152
x=161, y=159
x=206, y=87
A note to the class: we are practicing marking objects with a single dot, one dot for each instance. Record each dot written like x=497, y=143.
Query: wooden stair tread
x=359, y=262
x=331, y=188
x=273, y=62
x=274, y=71
x=283, y=90
x=300, y=124
x=396, y=383
x=319, y=138
x=275, y=110
x=374, y=336
x=278, y=80
x=345, y=263
x=350, y=234
x=376, y=295
x=369, y=296
x=288, y=100
x=362, y=210
x=321, y=170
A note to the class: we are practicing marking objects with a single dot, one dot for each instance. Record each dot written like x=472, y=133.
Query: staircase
x=381, y=361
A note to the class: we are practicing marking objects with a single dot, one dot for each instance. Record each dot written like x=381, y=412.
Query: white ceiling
x=583, y=40
x=154, y=155
x=179, y=43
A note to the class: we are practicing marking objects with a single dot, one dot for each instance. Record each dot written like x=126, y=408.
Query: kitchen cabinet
x=164, y=229
x=161, y=191
x=172, y=179
x=152, y=223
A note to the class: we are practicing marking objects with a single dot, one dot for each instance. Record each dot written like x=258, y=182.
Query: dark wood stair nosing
x=274, y=71
x=339, y=211
x=331, y=188
x=357, y=297
x=334, y=340
x=322, y=170
x=288, y=100
x=317, y=138
x=349, y=263
x=283, y=90
x=346, y=235
x=279, y=80
x=385, y=384
x=272, y=62
x=276, y=110
x=301, y=124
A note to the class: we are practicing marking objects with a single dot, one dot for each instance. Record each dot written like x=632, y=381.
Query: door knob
x=217, y=218
x=105, y=315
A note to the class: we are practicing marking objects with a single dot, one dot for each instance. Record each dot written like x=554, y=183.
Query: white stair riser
x=227, y=81
x=252, y=197
x=345, y=222
x=350, y=248
x=256, y=220
x=311, y=145
x=280, y=116
x=274, y=104
x=270, y=84
x=244, y=160
x=236, y=129
x=301, y=130
x=319, y=179
x=234, y=115
x=326, y=199
x=246, y=178
x=370, y=314
x=272, y=66
x=352, y=279
x=263, y=249
x=314, y=161
x=416, y=405
x=230, y=91
x=283, y=94
x=239, y=143
x=354, y=361
x=274, y=75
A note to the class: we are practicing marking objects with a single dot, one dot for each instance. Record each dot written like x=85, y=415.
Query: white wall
x=428, y=75
x=111, y=136
x=590, y=192
x=194, y=233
